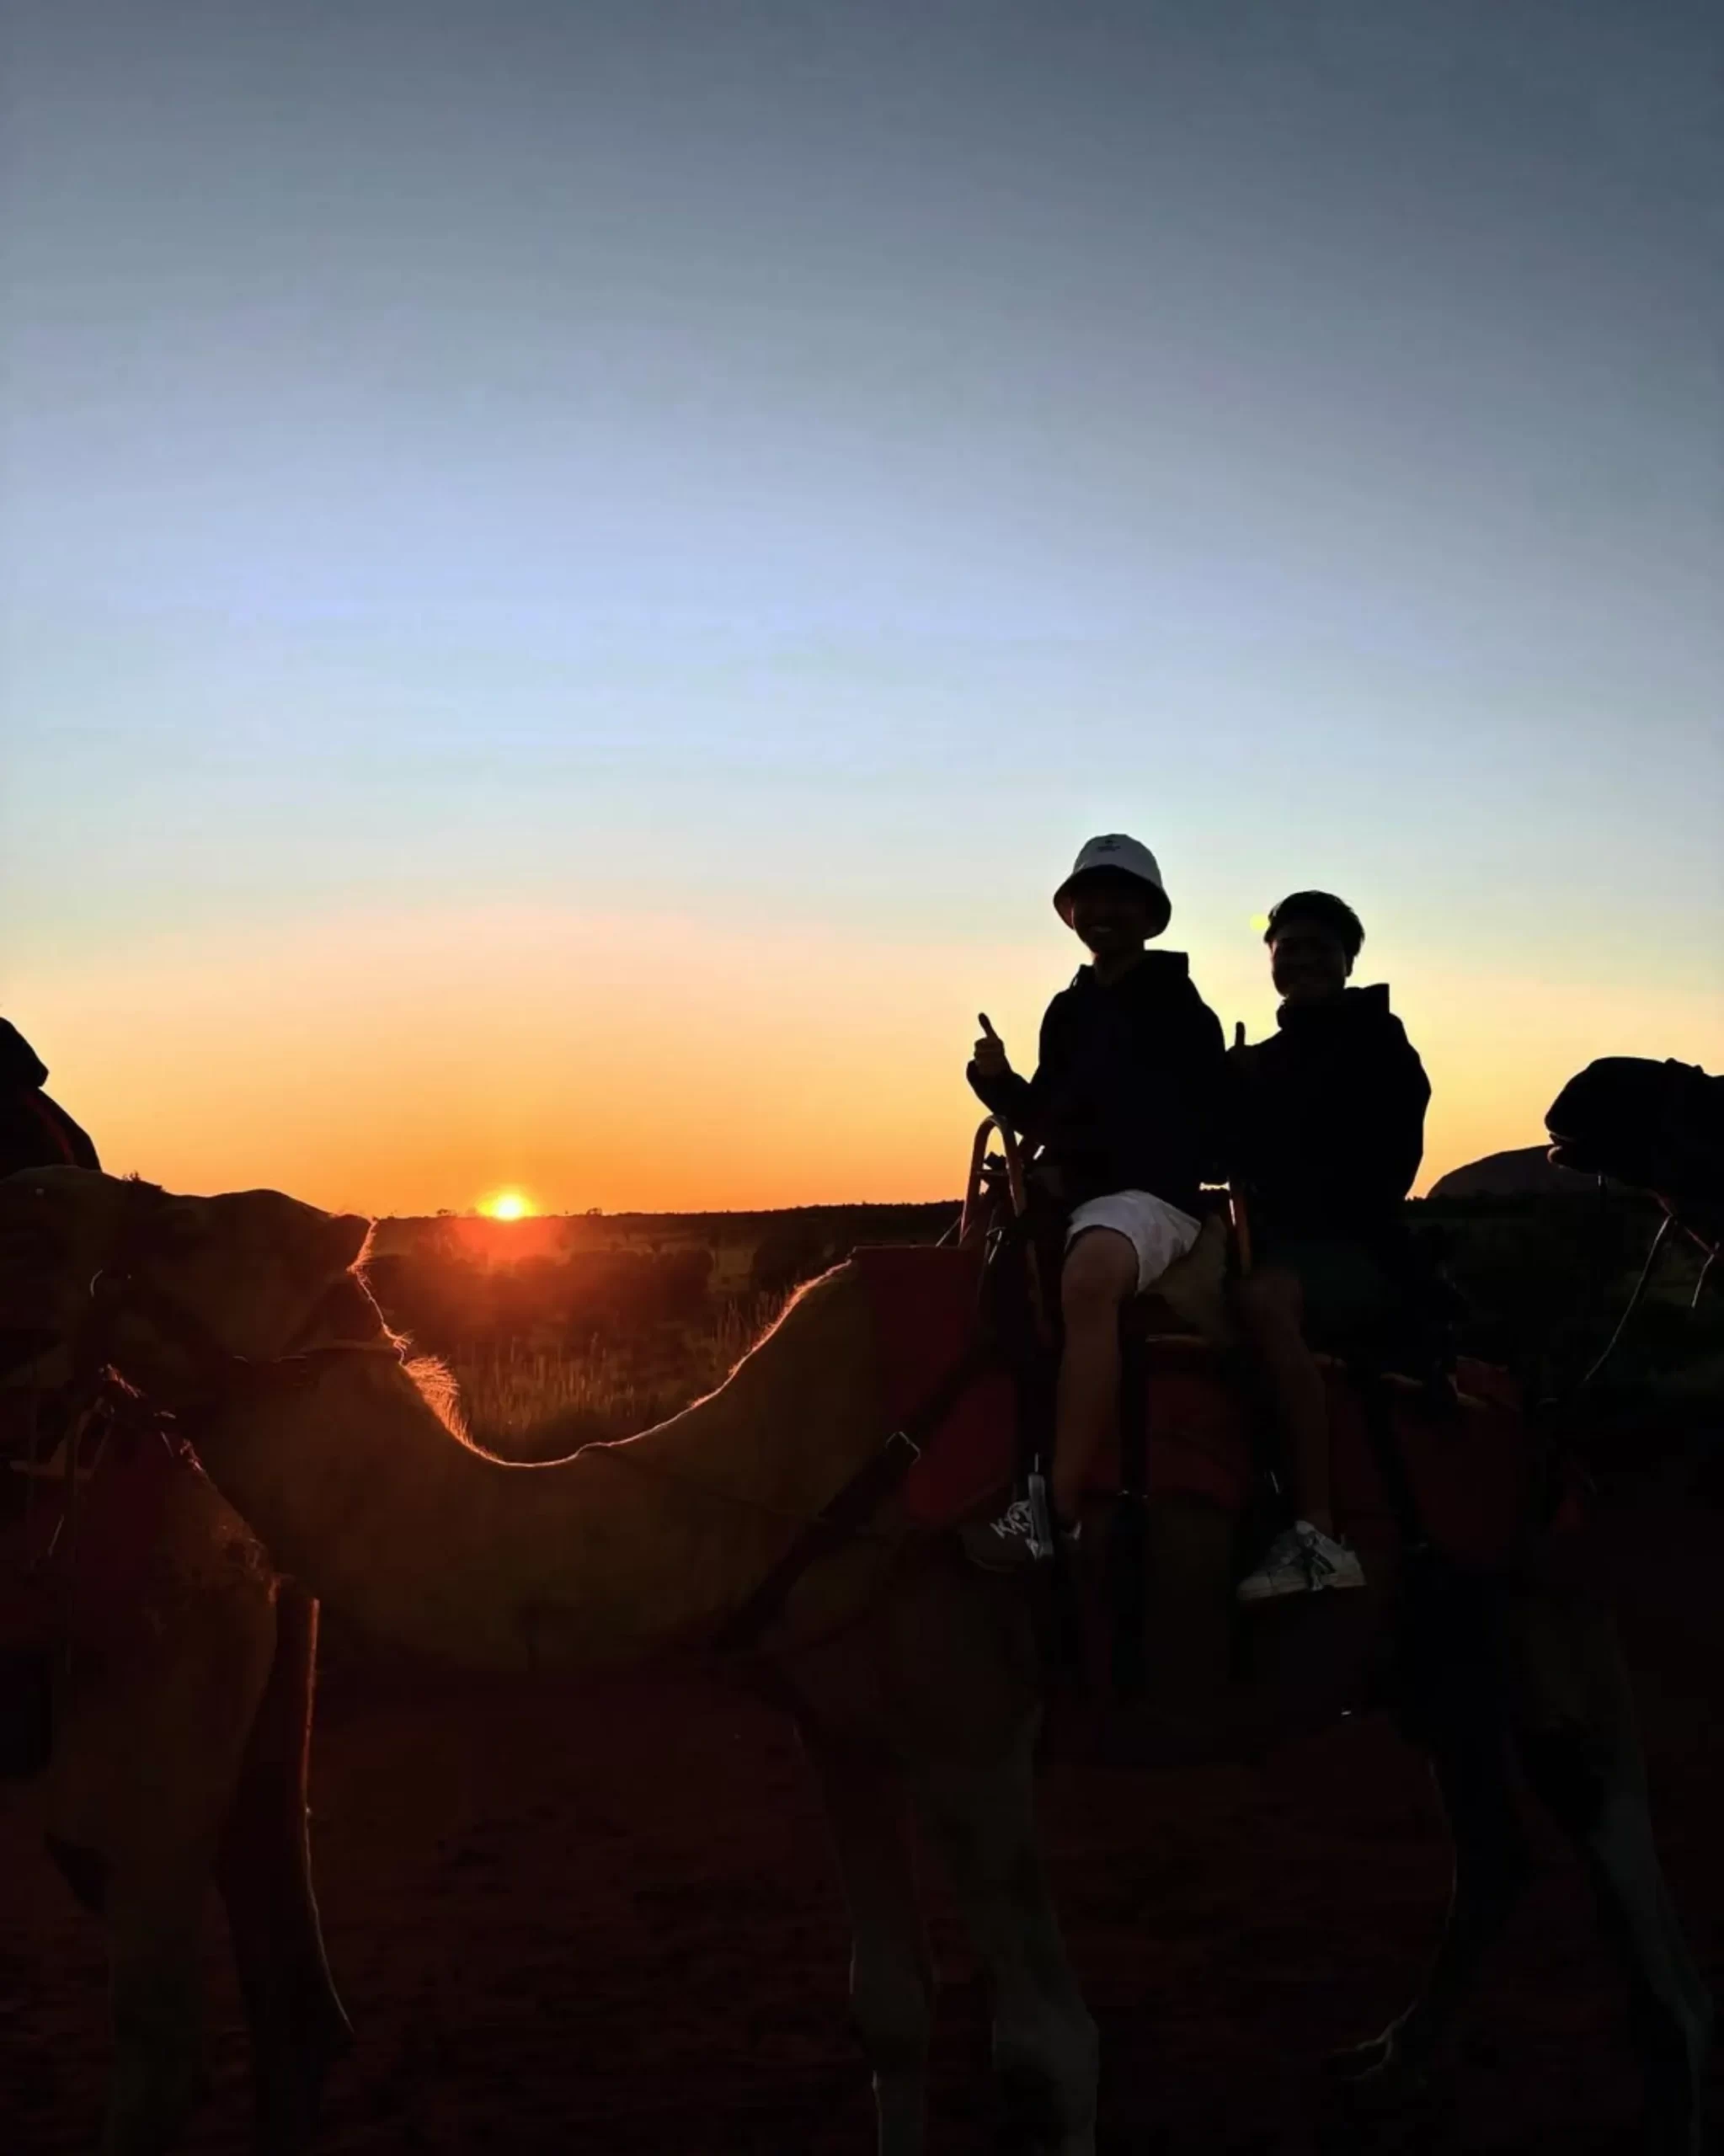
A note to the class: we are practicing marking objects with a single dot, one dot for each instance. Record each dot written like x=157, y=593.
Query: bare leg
x=1272, y=1309
x=891, y=1978
x=1581, y=1753
x=1045, y=2041
x=262, y=1868
x=1100, y=1275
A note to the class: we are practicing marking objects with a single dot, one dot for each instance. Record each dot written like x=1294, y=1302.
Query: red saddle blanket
x=1475, y=1474
x=80, y=1578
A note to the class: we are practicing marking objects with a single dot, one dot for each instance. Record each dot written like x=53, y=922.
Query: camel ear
x=345, y=1237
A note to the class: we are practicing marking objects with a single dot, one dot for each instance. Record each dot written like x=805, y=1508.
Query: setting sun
x=507, y=1206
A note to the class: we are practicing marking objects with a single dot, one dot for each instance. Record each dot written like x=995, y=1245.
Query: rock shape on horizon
x=1524, y=1171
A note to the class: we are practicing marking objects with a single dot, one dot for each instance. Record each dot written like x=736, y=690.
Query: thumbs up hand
x=1239, y=1032
x=989, y=1058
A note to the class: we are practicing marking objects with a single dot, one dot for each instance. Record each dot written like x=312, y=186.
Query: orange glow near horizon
x=623, y=1063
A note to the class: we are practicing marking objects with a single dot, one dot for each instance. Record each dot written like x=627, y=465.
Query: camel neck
x=360, y=1491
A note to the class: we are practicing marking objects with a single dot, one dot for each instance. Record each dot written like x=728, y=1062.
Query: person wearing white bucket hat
x=1116, y=856
x=1124, y=1106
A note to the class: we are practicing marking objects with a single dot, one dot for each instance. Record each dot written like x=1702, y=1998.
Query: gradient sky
x=572, y=575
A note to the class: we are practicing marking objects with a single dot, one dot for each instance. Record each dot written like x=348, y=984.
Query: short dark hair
x=1324, y=908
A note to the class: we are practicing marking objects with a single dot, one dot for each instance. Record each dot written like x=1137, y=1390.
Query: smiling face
x=250, y=1269
x=1113, y=914
x=1309, y=960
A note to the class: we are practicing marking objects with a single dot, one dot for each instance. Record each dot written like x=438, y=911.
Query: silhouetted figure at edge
x=36, y=1132
x=1329, y=1128
x=1125, y=1107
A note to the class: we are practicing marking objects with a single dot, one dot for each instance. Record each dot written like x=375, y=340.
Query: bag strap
x=855, y=1504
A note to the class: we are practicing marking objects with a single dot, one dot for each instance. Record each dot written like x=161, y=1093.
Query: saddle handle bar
x=1014, y=1172
x=1238, y=1218
x=1238, y=1214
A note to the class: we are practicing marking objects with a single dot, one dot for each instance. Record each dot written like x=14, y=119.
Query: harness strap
x=1128, y=1538
x=855, y=1504
x=120, y=1289
x=1378, y=1414
x=181, y=1327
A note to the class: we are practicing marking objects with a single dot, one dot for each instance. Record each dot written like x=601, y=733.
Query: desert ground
x=605, y=1919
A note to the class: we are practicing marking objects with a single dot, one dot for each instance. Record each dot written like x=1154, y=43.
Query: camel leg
x=891, y=1976
x=149, y=1737
x=1492, y=1865
x=153, y=1924
x=1580, y=1747
x=153, y=1917
x=263, y=1869
x=1044, y=2040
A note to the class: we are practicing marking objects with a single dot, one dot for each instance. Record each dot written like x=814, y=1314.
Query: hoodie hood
x=1353, y=1006
x=19, y=1064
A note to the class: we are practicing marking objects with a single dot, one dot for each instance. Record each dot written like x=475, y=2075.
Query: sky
x=574, y=573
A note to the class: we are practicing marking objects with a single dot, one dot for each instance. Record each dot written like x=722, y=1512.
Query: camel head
x=170, y=1291
x=1604, y=1120
x=1658, y=1125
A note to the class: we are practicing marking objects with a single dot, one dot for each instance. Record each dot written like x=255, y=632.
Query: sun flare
x=507, y=1206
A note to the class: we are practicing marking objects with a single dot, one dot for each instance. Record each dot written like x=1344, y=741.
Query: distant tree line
x=1543, y=1280
x=450, y=1306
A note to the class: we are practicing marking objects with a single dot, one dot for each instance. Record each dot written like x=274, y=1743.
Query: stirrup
x=1041, y=1516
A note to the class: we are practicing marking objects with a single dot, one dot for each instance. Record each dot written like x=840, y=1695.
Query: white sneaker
x=1301, y=1561
x=1009, y=1543
x=1006, y=1544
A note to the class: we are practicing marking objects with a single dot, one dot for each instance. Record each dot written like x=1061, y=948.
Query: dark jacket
x=35, y=1131
x=1127, y=1094
x=1329, y=1120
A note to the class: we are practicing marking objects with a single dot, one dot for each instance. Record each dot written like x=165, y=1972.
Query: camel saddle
x=1461, y=1471
x=77, y=1536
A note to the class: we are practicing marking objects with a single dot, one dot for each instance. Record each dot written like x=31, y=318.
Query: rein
x=119, y=1289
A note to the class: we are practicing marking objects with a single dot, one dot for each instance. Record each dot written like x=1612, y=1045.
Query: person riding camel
x=1124, y=1106
x=36, y=1132
x=1327, y=1133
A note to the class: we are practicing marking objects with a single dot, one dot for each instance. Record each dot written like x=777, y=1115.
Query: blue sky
x=805, y=467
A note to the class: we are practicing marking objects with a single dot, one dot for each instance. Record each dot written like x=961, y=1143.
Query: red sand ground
x=606, y=1921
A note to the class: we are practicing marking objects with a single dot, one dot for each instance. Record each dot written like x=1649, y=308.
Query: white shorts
x=1157, y=1231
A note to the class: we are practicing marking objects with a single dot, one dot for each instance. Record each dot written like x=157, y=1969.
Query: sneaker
x=1301, y=1561
x=1006, y=1544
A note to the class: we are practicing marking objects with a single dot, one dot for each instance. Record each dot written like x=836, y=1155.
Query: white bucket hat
x=1126, y=856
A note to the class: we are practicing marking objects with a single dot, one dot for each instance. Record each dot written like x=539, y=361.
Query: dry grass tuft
x=527, y=1403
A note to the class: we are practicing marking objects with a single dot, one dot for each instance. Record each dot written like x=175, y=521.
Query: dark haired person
x=1329, y=1119
x=35, y=1131
x=1125, y=1107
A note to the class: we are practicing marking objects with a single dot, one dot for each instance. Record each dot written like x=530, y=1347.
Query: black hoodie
x=35, y=1131
x=1127, y=1090
x=1329, y=1119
